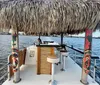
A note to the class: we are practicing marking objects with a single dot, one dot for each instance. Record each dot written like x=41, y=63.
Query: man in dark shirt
x=39, y=41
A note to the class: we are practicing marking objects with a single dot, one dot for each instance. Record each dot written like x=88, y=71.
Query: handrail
x=2, y=77
x=3, y=58
x=92, y=57
x=97, y=67
x=3, y=67
x=5, y=74
x=75, y=49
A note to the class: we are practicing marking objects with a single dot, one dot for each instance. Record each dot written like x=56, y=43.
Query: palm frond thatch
x=49, y=16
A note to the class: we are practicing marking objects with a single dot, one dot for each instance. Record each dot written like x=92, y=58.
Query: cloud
x=95, y=34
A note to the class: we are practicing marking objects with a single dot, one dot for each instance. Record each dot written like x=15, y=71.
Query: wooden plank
x=38, y=60
x=44, y=67
x=45, y=53
x=52, y=51
x=24, y=56
x=11, y=69
x=20, y=58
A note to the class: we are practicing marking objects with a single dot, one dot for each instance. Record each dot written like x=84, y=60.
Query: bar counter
x=43, y=51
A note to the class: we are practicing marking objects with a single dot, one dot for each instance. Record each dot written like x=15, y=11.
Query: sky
x=95, y=34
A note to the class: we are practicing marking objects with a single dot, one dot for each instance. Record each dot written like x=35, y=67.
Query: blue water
x=25, y=41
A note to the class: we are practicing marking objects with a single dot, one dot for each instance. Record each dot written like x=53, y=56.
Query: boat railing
x=78, y=54
x=3, y=73
x=2, y=60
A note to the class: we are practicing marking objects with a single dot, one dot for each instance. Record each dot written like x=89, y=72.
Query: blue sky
x=95, y=34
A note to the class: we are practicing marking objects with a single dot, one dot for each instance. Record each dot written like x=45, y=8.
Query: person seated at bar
x=38, y=42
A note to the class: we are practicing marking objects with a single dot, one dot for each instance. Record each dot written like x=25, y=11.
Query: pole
x=39, y=34
x=87, y=56
x=61, y=38
x=94, y=69
x=9, y=77
x=52, y=73
x=15, y=54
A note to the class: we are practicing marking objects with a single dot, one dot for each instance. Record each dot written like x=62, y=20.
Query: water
x=25, y=41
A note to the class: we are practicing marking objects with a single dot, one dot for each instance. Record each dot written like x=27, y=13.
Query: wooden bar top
x=51, y=45
x=46, y=45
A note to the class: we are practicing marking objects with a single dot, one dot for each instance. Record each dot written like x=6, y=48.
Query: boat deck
x=71, y=76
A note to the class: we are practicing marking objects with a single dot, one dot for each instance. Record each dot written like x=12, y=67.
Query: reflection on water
x=25, y=41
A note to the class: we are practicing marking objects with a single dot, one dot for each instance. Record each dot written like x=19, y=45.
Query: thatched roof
x=50, y=16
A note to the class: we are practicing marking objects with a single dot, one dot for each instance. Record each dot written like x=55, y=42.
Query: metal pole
x=87, y=56
x=9, y=78
x=39, y=35
x=61, y=38
x=52, y=73
x=75, y=56
x=15, y=56
x=62, y=62
x=94, y=69
x=65, y=63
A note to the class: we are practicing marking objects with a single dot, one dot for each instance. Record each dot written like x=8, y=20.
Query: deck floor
x=71, y=76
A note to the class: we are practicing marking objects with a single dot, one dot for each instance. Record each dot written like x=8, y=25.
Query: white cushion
x=64, y=53
x=54, y=43
x=52, y=60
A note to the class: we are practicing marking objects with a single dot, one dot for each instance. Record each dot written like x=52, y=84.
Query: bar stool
x=52, y=60
x=59, y=48
x=64, y=54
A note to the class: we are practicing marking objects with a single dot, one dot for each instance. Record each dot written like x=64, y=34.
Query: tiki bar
x=37, y=64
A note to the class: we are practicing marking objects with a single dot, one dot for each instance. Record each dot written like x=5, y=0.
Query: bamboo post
x=87, y=56
x=15, y=54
